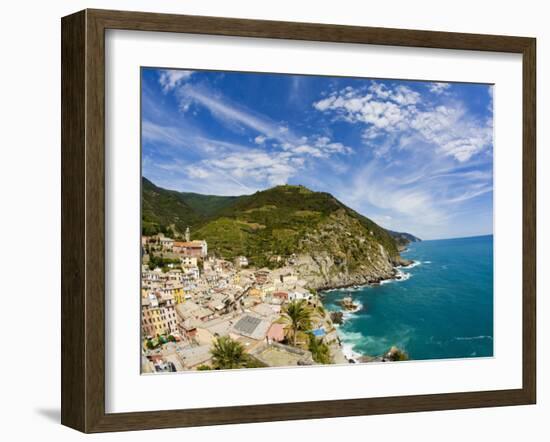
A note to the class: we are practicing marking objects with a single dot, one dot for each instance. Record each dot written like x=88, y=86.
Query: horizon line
x=460, y=237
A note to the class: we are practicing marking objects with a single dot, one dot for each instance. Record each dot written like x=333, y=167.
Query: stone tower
x=187, y=234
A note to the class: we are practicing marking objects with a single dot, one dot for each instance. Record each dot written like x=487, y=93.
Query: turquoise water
x=443, y=309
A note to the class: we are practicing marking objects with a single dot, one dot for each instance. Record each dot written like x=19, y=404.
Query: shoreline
x=397, y=276
x=347, y=351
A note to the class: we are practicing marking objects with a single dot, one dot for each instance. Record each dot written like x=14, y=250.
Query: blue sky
x=413, y=156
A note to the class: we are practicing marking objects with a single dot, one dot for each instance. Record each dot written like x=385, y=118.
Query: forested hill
x=271, y=225
x=403, y=239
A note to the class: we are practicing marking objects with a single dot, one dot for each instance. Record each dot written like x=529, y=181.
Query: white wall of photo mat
x=29, y=174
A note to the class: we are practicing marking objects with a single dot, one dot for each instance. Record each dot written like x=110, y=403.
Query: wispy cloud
x=295, y=95
x=260, y=139
x=425, y=199
x=225, y=160
x=233, y=113
x=374, y=184
x=171, y=78
x=259, y=166
x=438, y=88
x=275, y=167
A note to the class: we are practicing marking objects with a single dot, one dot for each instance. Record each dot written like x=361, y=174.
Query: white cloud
x=256, y=166
x=171, y=78
x=401, y=114
x=438, y=88
x=197, y=172
x=401, y=94
x=354, y=107
x=304, y=148
x=328, y=147
x=317, y=146
x=260, y=139
x=453, y=133
x=247, y=167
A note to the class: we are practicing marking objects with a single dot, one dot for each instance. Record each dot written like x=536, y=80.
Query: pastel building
x=241, y=261
x=158, y=315
x=188, y=261
x=197, y=249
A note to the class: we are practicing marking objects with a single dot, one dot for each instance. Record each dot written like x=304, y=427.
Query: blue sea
x=442, y=308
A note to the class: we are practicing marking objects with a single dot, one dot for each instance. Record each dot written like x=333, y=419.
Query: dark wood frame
x=83, y=216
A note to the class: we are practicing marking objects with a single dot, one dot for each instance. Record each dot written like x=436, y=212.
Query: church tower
x=187, y=234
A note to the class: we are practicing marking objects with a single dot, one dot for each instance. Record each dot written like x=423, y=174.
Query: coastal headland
x=235, y=282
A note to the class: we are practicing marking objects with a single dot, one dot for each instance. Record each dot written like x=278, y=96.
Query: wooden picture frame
x=83, y=220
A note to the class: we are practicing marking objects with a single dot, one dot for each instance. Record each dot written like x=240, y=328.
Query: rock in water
x=396, y=354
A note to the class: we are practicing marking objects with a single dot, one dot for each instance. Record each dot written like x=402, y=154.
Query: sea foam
x=410, y=266
x=401, y=276
x=348, y=314
x=348, y=341
x=472, y=338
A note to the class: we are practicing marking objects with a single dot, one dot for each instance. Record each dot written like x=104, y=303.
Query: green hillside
x=281, y=221
x=273, y=225
x=207, y=205
x=165, y=210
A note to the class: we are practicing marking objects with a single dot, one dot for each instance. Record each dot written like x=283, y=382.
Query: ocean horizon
x=441, y=308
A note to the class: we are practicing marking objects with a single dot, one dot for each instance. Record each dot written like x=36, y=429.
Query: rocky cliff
x=329, y=244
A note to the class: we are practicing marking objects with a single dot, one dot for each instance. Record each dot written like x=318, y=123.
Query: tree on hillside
x=227, y=353
x=298, y=316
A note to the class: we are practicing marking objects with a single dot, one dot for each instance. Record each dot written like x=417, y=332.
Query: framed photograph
x=266, y=221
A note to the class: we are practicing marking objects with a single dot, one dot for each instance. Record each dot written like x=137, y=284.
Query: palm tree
x=298, y=315
x=227, y=353
x=320, y=351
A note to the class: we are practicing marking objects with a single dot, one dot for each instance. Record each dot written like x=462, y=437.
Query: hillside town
x=202, y=312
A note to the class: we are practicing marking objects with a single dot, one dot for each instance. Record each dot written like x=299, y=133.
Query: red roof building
x=276, y=332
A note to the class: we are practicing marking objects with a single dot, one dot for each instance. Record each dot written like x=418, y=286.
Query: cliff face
x=343, y=252
x=403, y=239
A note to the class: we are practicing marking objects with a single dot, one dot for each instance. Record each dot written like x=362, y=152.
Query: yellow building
x=179, y=295
x=151, y=321
x=174, y=289
x=158, y=316
x=255, y=292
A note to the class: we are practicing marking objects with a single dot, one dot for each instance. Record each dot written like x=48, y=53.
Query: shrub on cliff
x=319, y=350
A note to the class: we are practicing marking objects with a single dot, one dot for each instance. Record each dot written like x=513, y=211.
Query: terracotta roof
x=276, y=332
x=188, y=243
